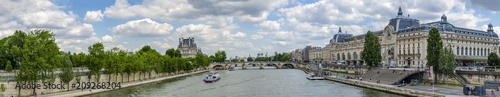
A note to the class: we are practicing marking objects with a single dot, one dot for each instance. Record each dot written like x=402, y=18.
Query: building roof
x=406, y=24
x=445, y=26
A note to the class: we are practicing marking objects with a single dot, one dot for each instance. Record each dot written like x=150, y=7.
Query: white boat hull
x=315, y=78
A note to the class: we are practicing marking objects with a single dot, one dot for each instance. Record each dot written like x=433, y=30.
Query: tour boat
x=319, y=76
x=212, y=77
x=315, y=77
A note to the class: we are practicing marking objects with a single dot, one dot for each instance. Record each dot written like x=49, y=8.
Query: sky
x=239, y=27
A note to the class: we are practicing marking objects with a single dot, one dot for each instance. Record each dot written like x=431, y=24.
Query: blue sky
x=240, y=27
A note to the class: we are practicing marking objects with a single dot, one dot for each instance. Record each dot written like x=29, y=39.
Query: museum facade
x=404, y=43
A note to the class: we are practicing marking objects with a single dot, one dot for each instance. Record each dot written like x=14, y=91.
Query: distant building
x=305, y=54
x=188, y=47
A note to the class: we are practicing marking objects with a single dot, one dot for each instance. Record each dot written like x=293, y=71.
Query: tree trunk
x=140, y=75
x=109, y=77
x=34, y=89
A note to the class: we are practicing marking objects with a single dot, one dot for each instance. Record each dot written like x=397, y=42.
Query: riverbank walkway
x=73, y=93
x=442, y=90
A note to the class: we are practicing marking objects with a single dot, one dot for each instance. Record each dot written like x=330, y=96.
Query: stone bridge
x=261, y=65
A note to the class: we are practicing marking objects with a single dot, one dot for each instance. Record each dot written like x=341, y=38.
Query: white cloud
x=257, y=37
x=245, y=10
x=239, y=35
x=107, y=39
x=142, y=28
x=281, y=42
x=43, y=14
x=269, y=26
x=93, y=16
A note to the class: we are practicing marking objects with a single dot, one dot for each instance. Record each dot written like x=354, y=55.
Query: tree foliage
x=35, y=56
x=173, y=52
x=434, y=46
x=220, y=56
x=493, y=59
x=447, y=61
x=249, y=59
x=95, y=60
x=371, y=53
x=8, y=67
x=67, y=69
x=281, y=56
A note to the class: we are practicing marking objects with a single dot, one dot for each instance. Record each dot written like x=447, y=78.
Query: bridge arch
x=289, y=65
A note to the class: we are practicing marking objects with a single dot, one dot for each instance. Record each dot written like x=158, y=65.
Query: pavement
x=449, y=91
x=74, y=93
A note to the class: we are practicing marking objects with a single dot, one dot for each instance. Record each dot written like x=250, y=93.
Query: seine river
x=254, y=82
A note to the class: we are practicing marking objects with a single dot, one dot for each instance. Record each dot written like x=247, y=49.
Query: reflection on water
x=254, y=82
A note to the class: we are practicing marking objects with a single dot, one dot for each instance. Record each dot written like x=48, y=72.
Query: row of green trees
x=35, y=57
x=282, y=56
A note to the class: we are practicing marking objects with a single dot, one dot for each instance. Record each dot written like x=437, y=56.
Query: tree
x=434, y=46
x=173, y=52
x=371, y=52
x=493, y=59
x=220, y=56
x=212, y=58
x=95, y=60
x=447, y=63
x=67, y=70
x=35, y=55
x=8, y=67
x=249, y=59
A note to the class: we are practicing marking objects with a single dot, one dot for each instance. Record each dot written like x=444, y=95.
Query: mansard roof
x=340, y=37
x=445, y=26
x=362, y=36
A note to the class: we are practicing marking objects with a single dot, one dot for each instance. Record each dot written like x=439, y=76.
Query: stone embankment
x=73, y=92
x=386, y=88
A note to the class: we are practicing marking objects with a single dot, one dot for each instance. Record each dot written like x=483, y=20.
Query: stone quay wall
x=386, y=88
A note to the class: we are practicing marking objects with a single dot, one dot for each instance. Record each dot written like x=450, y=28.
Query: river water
x=254, y=82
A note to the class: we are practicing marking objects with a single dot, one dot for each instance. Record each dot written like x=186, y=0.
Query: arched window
x=473, y=52
x=477, y=52
x=466, y=51
x=462, y=51
x=482, y=54
x=338, y=56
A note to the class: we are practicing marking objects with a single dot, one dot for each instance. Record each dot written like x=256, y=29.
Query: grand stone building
x=404, y=43
x=188, y=47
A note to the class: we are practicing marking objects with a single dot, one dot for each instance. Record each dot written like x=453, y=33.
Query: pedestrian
x=492, y=92
x=393, y=71
x=378, y=72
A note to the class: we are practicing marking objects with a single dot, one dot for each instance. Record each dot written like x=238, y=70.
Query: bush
x=413, y=84
x=3, y=87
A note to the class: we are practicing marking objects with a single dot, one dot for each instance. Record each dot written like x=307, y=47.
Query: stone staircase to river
x=387, y=76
